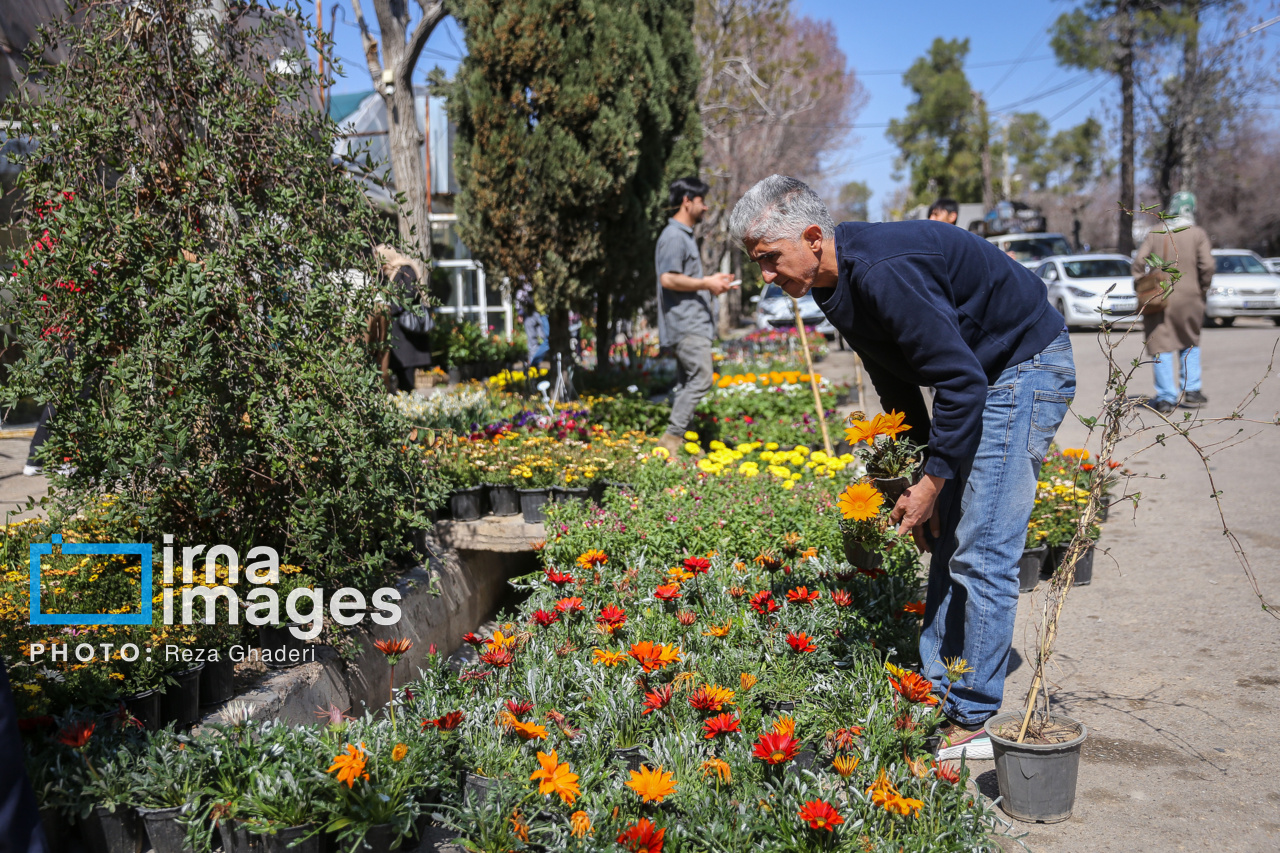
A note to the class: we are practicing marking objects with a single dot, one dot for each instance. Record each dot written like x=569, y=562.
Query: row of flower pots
x=503, y=500
x=1043, y=560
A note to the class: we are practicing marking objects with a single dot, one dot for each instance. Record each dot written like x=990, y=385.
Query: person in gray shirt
x=686, y=308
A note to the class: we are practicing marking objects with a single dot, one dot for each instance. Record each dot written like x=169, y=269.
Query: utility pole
x=1006, y=183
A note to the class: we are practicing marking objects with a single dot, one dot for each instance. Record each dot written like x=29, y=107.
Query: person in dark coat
x=407, y=332
x=926, y=304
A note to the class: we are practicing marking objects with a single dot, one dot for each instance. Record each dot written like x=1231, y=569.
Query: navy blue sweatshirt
x=929, y=304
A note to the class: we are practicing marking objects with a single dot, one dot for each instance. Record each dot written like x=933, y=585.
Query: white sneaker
x=31, y=470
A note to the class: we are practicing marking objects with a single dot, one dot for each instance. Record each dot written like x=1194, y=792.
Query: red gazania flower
x=76, y=735
x=841, y=598
x=915, y=608
x=393, y=649
x=709, y=698
x=543, y=618
x=845, y=737
x=558, y=577
x=500, y=658
x=775, y=748
x=472, y=638
x=947, y=772
x=721, y=724
x=644, y=837
x=802, y=595
x=570, y=605
x=914, y=688
x=446, y=723
x=697, y=565
x=762, y=602
x=820, y=815
x=873, y=573
x=667, y=592
x=612, y=616
x=520, y=708
x=656, y=700
x=801, y=643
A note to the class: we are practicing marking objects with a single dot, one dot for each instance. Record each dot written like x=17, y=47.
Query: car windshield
x=1097, y=268
x=1036, y=248
x=1238, y=264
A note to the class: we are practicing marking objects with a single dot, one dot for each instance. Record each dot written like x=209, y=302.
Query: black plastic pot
x=532, y=502
x=237, y=839
x=467, y=504
x=279, y=638
x=891, y=487
x=476, y=787
x=1084, y=566
x=859, y=556
x=632, y=755
x=180, y=703
x=1029, y=566
x=166, y=834
x=107, y=831
x=1037, y=781
x=145, y=706
x=559, y=494
x=279, y=843
x=217, y=681
x=380, y=837
x=774, y=706
x=57, y=830
x=503, y=500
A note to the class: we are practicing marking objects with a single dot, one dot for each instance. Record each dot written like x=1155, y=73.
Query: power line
x=999, y=64
x=1071, y=84
x=1078, y=101
x=1035, y=40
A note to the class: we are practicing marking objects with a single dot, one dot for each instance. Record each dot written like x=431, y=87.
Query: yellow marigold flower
x=717, y=445
x=690, y=436
x=580, y=824
x=661, y=453
x=789, y=485
x=801, y=449
x=692, y=449
x=1078, y=453
x=860, y=502
x=773, y=445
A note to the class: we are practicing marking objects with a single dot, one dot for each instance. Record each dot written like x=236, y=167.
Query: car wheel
x=1276, y=320
x=1228, y=321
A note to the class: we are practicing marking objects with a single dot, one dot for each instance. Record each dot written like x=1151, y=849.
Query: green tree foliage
x=568, y=114
x=853, y=202
x=1076, y=157
x=1026, y=137
x=941, y=139
x=188, y=305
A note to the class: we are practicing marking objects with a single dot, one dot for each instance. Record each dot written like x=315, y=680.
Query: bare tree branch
x=370, y=44
x=432, y=14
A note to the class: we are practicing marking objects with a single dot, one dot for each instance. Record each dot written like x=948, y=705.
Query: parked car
x=1242, y=287
x=1091, y=290
x=1272, y=264
x=1030, y=250
x=774, y=310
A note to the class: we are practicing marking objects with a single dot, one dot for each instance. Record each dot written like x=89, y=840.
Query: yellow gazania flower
x=896, y=671
x=500, y=640
x=845, y=765
x=608, y=658
x=747, y=680
x=718, y=630
x=785, y=726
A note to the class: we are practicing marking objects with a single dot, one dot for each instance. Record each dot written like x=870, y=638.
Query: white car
x=1031, y=250
x=1091, y=290
x=1273, y=264
x=1242, y=287
x=774, y=309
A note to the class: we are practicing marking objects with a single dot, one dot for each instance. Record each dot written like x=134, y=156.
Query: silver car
x=1242, y=287
x=1091, y=290
x=774, y=309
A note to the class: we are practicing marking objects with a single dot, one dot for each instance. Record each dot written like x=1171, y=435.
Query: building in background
x=458, y=281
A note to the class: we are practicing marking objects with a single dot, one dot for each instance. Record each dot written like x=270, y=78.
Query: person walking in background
x=537, y=326
x=686, y=307
x=407, y=331
x=1176, y=329
x=945, y=210
x=927, y=304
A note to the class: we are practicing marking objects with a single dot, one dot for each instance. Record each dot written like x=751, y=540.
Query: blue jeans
x=973, y=577
x=1166, y=389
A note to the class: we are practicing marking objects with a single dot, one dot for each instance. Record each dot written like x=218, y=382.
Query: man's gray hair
x=779, y=208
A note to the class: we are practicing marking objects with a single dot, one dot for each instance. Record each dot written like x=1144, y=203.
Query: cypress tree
x=569, y=114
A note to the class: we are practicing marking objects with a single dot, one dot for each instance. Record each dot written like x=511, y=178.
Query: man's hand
x=718, y=282
x=918, y=504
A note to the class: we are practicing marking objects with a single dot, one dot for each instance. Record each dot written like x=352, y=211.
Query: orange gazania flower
x=860, y=431
x=718, y=630
x=569, y=605
x=719, y=767
x=845, y=765
x=914, y=688
x=526, y=731
x=736, y=592
x=654, y=656
x=802, y=595
x=500, y=658
x=398, y=752
x=845, y=737
x=667, y=592
x=710, y=697
x=1077, y=453
x=608, y=658
x=393, y=649
x=914, y=608
x=775, y=748
x=76, y=735
x=644, y=837
x=350, y=766
x=612, y=617
x=580, y=824
x=556, y=778
x=538, y=544
x=820, y=815
x=500, y=640
x=747, y=681
x=591, y=559
x=721, y=724
x=762, y=602
x=769, y=562
x=785, y=726
x=656, y=700
x=947, y=772
x=651, y=786
x=890, y=424
x=801, y=643
x=841, y=597
x=519, y=827
x=860, y=502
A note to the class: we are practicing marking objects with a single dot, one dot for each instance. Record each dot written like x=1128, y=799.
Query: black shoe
x=1193, y=400
x=1164, y=407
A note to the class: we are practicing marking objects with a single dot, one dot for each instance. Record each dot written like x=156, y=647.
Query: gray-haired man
x=686, y=310
x=926, y=303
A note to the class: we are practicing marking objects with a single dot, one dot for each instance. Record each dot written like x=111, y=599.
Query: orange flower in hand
x=860, y=502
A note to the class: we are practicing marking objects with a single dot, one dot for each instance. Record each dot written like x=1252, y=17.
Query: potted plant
x=864, y=525
x=890, y=461
x=1034, y=554
x=107, y=791
x=170, y=783
x=368, y=800
x=180, y=701
x=281, y=647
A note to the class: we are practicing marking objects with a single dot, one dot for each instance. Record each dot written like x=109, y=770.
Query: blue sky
x=1009, y=61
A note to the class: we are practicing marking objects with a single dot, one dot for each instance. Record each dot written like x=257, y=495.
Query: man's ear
x=812, y=236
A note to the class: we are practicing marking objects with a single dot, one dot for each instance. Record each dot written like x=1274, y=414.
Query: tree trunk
x=406, y=143
x=559, y=342
x=1124, y=237
x=984, y=131
x=604, y=336
x=1191, y=98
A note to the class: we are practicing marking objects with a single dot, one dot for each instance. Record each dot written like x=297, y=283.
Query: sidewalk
x=14, y=487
